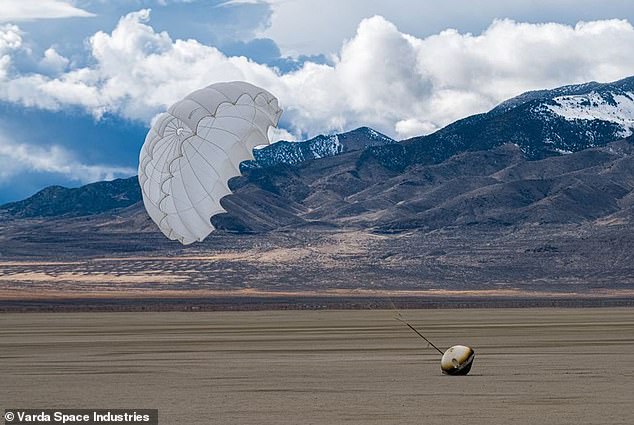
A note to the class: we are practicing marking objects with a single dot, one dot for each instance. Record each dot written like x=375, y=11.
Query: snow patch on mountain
x=610, y=107
x=375, y=135
x=322, y=146
x=326, y=146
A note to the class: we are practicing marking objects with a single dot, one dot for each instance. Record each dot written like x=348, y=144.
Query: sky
x=81, y=80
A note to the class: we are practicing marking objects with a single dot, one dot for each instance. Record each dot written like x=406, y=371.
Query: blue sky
x=81, y=80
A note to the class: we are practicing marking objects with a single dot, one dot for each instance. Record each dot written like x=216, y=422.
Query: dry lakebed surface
x=532, y=366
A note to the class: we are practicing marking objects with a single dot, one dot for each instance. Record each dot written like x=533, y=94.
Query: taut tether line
x=419, y=334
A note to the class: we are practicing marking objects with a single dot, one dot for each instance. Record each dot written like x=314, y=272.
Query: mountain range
x=539, y=124
x=537, y=193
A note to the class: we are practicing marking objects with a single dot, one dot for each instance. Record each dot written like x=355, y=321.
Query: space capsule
x=457, y=360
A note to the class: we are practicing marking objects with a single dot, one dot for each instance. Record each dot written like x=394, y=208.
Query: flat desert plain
x=532, y=366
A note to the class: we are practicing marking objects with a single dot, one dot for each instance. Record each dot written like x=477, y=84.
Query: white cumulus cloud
x=27, y=10
x=298, y=27
x=53, y=62
x=10, y=40
x=397, y=83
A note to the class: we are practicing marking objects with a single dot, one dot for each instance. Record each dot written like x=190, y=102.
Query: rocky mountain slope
x=292, y=153
x=497, y=187
x=542, y=124
x=93, y=198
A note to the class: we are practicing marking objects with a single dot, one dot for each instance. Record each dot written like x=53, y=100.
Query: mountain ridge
x=93, y=198
x=321, y=146
x=535, y=121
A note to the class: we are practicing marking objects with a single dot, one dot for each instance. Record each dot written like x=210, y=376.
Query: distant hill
x=93, y=198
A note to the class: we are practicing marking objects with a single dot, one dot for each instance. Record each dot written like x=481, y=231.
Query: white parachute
x=194, y=148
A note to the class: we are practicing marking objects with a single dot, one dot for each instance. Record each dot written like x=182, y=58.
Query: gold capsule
x=457, y=360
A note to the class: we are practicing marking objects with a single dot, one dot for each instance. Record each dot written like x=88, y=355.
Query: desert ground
x=532, y=366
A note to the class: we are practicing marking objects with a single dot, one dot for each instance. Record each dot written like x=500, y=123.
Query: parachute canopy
x=194, y=148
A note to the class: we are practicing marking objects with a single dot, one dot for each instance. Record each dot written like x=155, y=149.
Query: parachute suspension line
x=399, y=317
x=419, y=334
